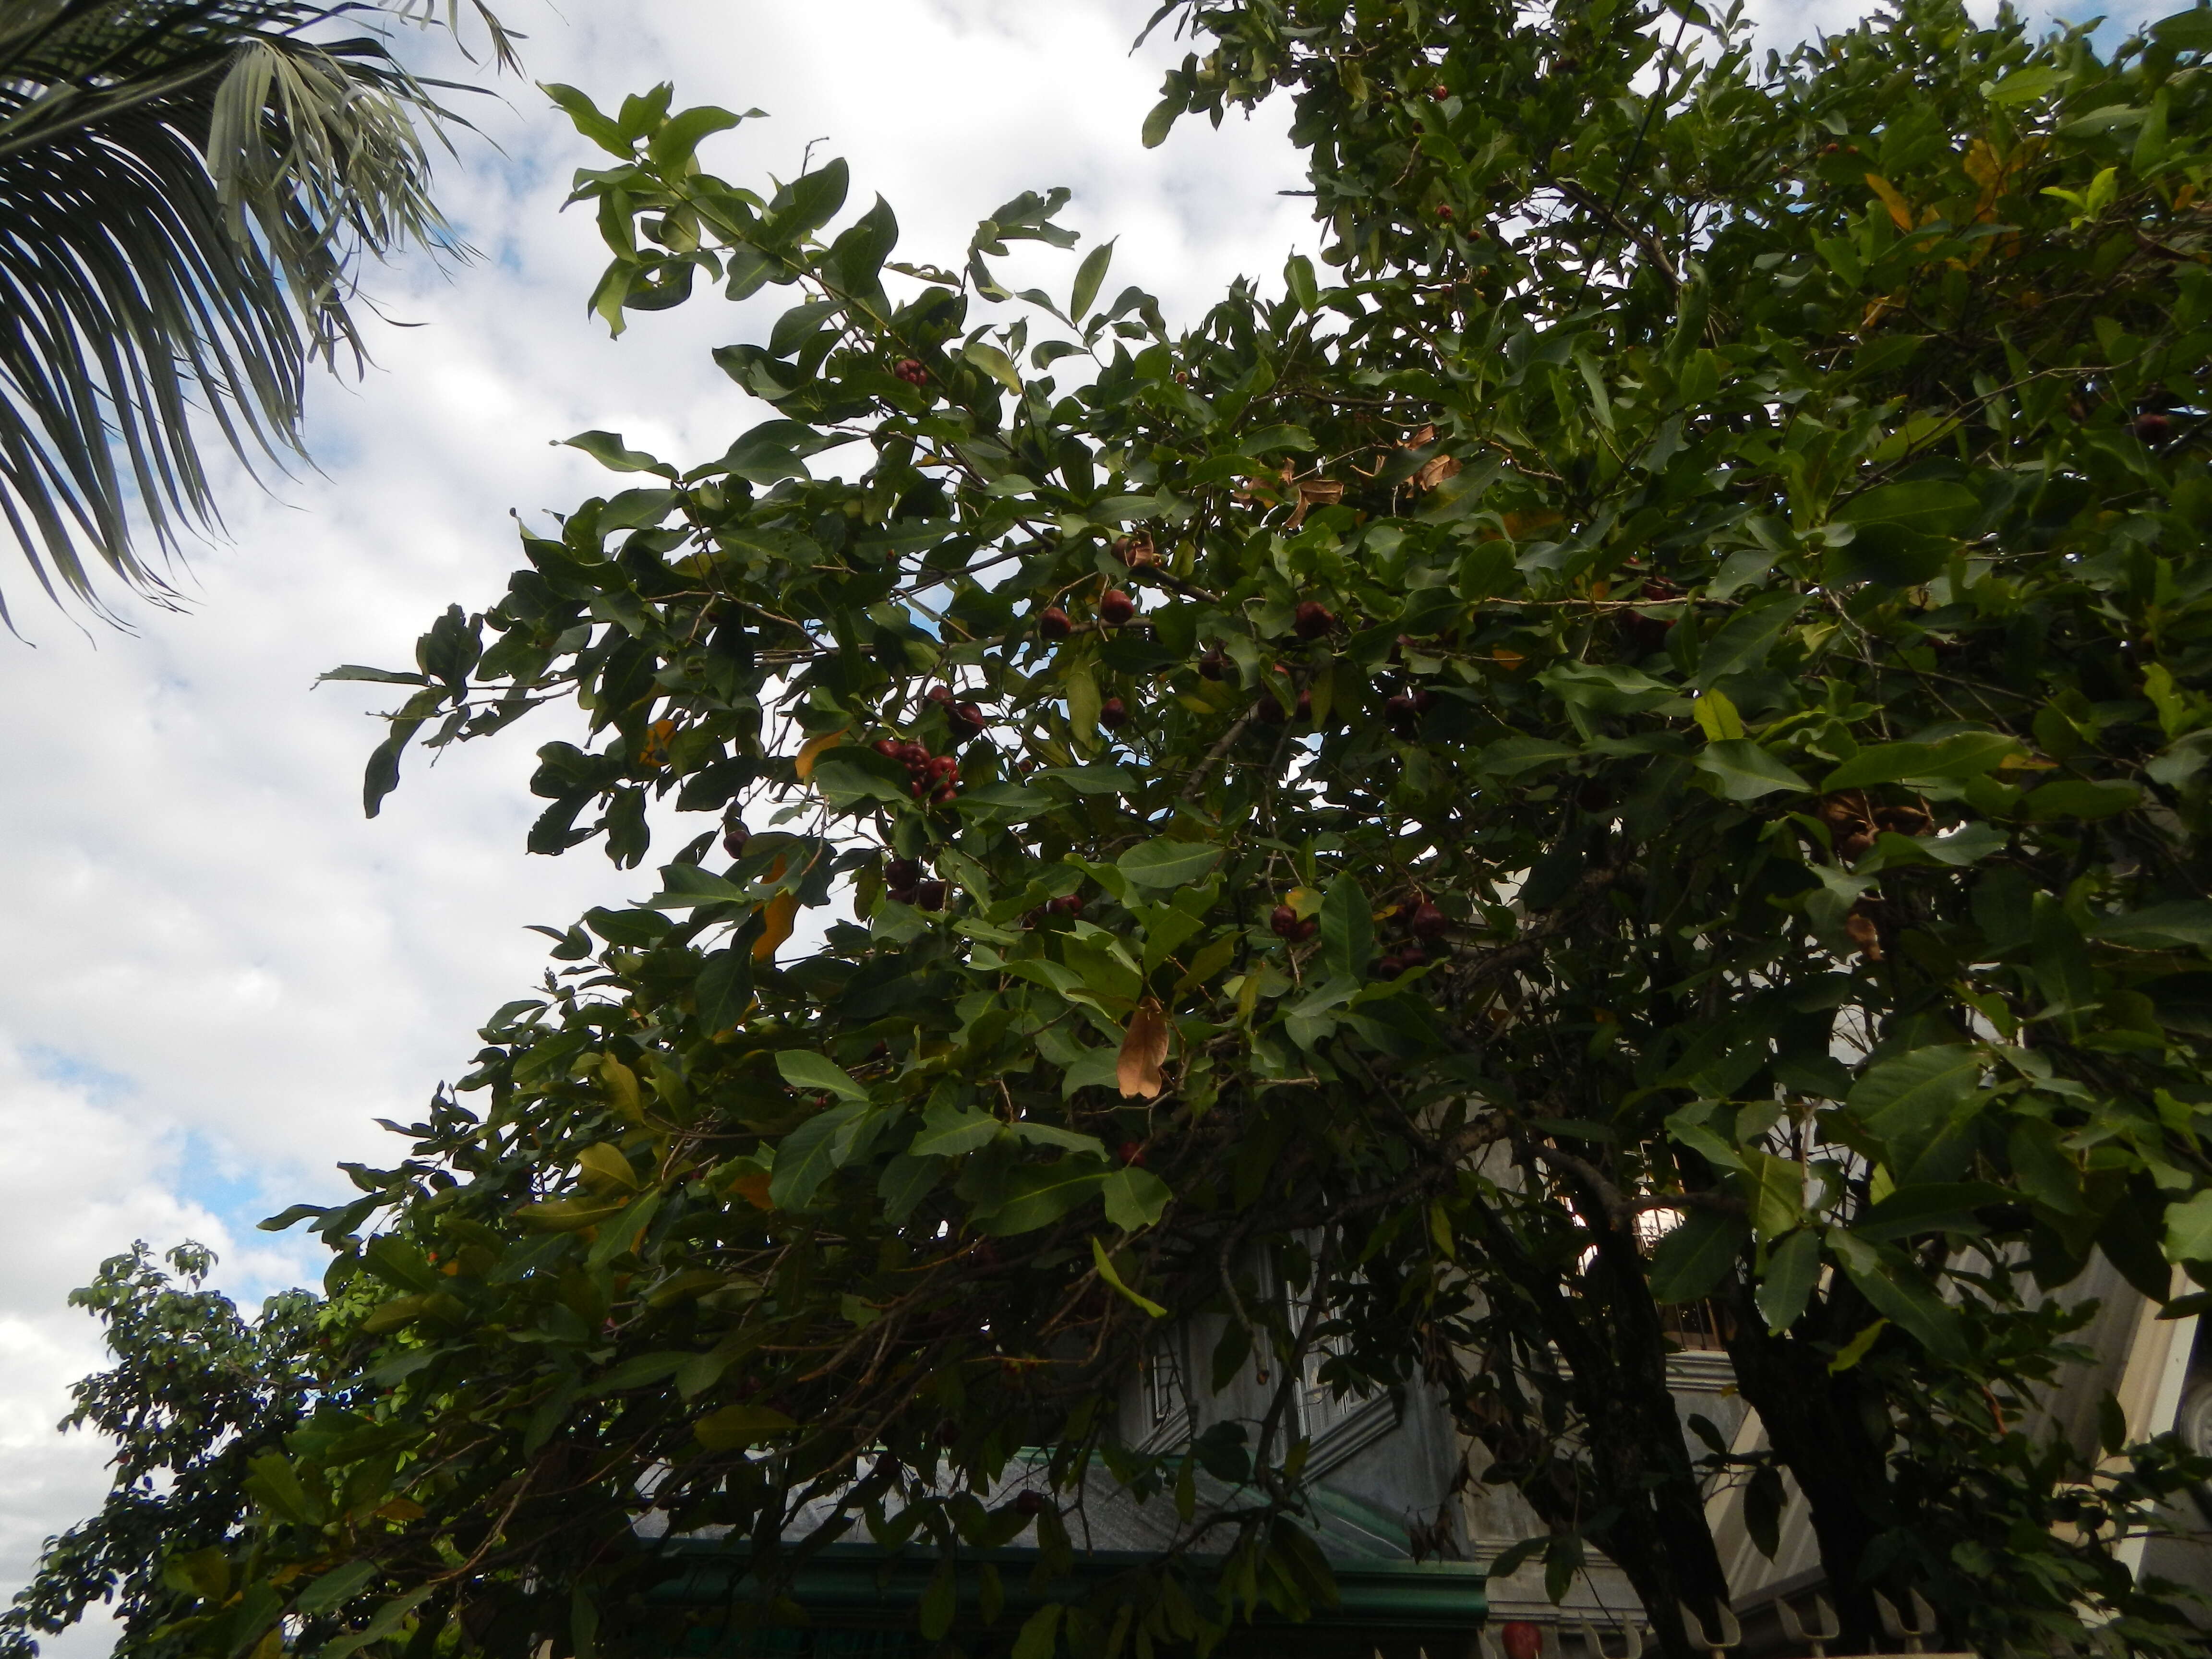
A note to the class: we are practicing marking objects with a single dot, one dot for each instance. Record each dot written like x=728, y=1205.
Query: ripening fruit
x=1115, y=607
x=1307, y=928
x=1052, y=623
x=1305, y=707
x=929, y=896
x=734, y=838
x=1131, y=1152
x=1068, y=904
x=1427, y=921
x=967, y=718
x=943, y=766
x=1314, y=619
x=1390, y=968
x=1213, y=665
x=1410, y=956
x=1031, y=1504
x=1113, y=713
x=901, y=874
x=1284, y=922
x=910, y=370
x=887, y=747
x=1522, y=1639
x=1440, y=92
x=1444, y=212
x=2153, y=427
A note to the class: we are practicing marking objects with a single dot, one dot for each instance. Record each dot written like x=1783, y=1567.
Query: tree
x=1642, y=740
x=187, y=190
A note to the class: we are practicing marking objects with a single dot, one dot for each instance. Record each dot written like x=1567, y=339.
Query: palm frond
x=188, y=192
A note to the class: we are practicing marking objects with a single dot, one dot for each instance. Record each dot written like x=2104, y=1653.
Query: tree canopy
x=1636, y=735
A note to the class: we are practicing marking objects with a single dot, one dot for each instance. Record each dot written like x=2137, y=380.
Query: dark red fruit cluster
x=1053, y=624
x=1113, y=713
x=1404, y=711
x=1067, y=904
x=930, y=777
x=1313, y=620
x=965, y=719
x=1115, y=608
x=902, y=881
x=910, y=370
x=1285, y=924
x=735, y=837
x=1423, y=924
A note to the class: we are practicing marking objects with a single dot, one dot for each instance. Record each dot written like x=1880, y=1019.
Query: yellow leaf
x=1718, y=717
x=777, y=916
x=604, y=1166
x=621, y=1088
x=752, y=1186
x=1900, y=210
x=804, y=766
x=1143, y=1048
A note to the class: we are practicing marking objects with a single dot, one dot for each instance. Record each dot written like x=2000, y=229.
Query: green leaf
x=608, y=450
x=1792, y=1268
x=2185, y=922
x=807, y=1156
x=802, y=1068
x=672, y=148
x=1745, y=770
x=1039, y=1633
x=947, y=1131
x=1105, y=1266
x=1904, y=1102
x=1135, y=1198
x=1717, y=717
x=2069, y=798
x=1509, y=756
x=1036, y=1195
x=337, y=1588
x=1905, y=1299
x=733, y=1428
x=1690, y=1262
x=1299, y=281
x=1742, y=643
x=1164, y=863
x=2189, y=1230
x=1968, y=755
x=1088, y=277
x=994, y=363
x=1348, y=929
x=1856, y=1349
x=1161, y=120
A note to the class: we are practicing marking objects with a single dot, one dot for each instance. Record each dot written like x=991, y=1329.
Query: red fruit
x=929, y=896
x=1390, y=968
x=1132, y=1151
x=887, y=747
x=1069, y=904
x=1427, y=921
x=1115, y=607
x=1052, y=623
x=1214, y=666
x=1314, y=619
x=1113, y=713
x=1520, y=1639
x=915, y=756
x=2154, y=428
x=1305, y=707
x=734, y=839
x=1410, y=956
x=1307, y=928
x=1440, y=92
x=967, y=718
x=947, y=791
x=901, y=874
x=918, y=788
x=1031, y=1503
x=944, y=766
x=1424, y=699
x=1283, y=921
x=910, y=370
x=1444, y=211
x=940, y=693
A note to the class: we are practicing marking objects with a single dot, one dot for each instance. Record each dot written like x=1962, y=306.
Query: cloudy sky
x=218, y=973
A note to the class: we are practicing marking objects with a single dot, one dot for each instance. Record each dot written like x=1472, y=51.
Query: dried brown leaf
x=1143, y=1049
